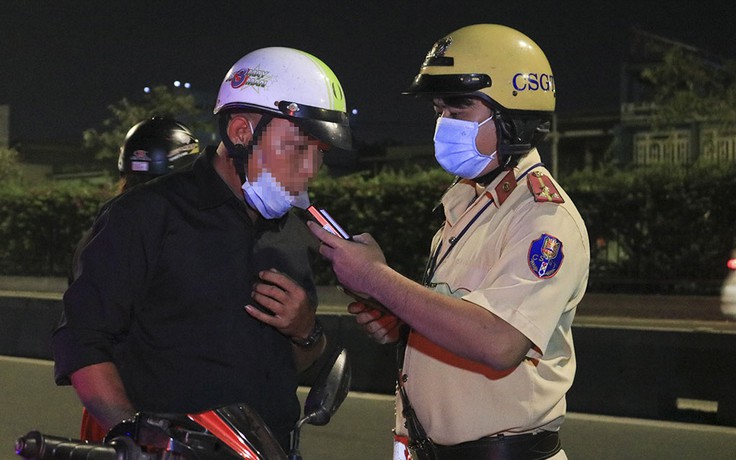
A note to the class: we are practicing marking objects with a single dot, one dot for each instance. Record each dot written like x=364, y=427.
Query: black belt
x=537, y=446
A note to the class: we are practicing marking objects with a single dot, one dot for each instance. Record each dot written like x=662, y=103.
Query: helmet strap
x=510, y=141
x=513, y=143
x=518, y=135
x=507, y=163
x=239, y=152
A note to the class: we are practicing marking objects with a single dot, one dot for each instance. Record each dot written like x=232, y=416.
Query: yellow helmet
x=491, y=61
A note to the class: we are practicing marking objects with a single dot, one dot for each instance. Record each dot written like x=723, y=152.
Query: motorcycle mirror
x=329, y=390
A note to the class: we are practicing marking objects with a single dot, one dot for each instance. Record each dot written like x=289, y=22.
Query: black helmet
x=156, y=147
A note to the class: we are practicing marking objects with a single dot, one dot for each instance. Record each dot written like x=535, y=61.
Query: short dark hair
x=459, y=101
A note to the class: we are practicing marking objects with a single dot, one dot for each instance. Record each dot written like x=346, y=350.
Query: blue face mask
x=455, y=149
x=270, y=198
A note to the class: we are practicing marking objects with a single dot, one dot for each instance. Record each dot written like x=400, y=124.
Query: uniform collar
x=527, y=161
x=503, y=185
x=465, y=192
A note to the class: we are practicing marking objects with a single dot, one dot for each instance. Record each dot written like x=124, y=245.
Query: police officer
x=195, y=289
x=489, y=356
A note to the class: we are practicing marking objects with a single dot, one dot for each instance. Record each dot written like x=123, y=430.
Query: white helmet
x=291, y=84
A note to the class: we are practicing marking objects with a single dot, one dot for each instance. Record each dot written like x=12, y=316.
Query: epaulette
x=542, y=188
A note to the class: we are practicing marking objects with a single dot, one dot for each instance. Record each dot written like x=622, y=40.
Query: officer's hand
x=380, y=326
x=292, y=315
x=354, y=262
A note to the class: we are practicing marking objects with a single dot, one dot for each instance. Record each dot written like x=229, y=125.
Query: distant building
x=683, y=144
x=4, y=126
x=628, y=138
x=584, y=141
x=44, y=161
x=60, y=161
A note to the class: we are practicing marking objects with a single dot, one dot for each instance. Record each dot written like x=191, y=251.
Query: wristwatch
x=314, y=336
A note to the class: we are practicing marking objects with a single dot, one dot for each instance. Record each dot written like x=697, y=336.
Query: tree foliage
x=161, y=101
x=690, y=86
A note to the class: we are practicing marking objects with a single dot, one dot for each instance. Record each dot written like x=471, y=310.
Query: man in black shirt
x=195, y=289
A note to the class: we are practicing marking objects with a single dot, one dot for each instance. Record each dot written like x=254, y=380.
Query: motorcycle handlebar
x=38, y=446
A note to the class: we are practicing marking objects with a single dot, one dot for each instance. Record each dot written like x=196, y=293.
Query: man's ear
x=240, y=129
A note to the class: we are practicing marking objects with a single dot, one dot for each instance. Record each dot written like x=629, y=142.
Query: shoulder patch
x=542, y=188
x=545, y=256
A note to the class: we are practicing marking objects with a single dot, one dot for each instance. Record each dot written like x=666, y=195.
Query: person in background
x=195, y=290
x=490, y=355
x=153, y=148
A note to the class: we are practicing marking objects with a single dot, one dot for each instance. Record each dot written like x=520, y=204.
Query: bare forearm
x=101, y=391
x=461, y=327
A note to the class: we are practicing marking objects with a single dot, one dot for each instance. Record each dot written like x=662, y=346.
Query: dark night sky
x=62, y=63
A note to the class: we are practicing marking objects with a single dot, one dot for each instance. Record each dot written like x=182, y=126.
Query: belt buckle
x=423, y=449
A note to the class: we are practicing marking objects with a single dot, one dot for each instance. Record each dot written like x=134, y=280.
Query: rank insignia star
x=542, y=188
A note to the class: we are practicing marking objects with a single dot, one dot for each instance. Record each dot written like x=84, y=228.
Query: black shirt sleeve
x=97, y=305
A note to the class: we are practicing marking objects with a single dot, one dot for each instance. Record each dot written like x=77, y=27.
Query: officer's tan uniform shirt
x=526, y=262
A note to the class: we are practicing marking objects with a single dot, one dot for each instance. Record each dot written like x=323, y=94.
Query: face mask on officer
x=455, y=149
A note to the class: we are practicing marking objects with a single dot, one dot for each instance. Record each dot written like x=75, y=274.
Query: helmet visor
x=446, y=85
x=329, y=126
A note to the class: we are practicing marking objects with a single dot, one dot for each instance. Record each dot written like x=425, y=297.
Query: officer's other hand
x=380, y=326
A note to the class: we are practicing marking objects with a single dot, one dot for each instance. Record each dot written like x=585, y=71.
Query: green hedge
x=39, y=228
x=663, y=230
x=651, y=230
